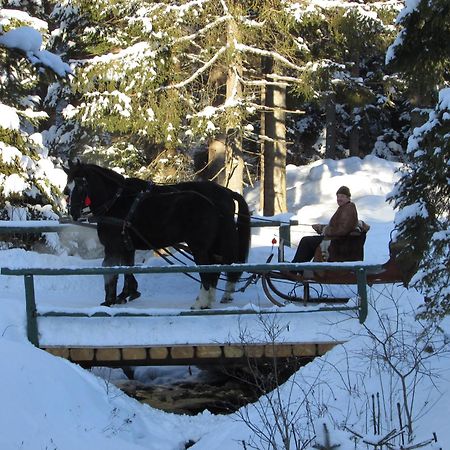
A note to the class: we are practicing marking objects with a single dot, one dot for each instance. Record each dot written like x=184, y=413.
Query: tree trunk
x=353, y=139
x=215, y=170
x=216, y=154
x=330, y=151
x=275, y=152
x=262, y=142
x=234, y=158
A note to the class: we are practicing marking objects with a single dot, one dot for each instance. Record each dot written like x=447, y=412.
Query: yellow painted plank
x=81, y=354
x=134, y=353
x=278, y=351
x=182, y=352
x=325, y=347
x=307, y=350
x=158, y=352
x=58, y=351
x=233, y=351
x=254, y=351
x=209, y=351
x=108, y=354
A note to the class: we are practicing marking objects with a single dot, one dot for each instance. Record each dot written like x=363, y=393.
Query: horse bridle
x=80, y=184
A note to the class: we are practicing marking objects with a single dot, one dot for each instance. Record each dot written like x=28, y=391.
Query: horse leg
x=110, y=280
x=205, y=297
x=230, y=289
x=129, y=291
x=207, y=294
x=227, y=248
x=230, y=285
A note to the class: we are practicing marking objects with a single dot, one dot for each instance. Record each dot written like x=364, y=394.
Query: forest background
x=232, y=91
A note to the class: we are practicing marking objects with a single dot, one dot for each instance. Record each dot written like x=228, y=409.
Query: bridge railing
x=32, y=313
x=54, y=226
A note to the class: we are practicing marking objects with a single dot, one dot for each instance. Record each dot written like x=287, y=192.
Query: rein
x=105, y=207
x=127, y=225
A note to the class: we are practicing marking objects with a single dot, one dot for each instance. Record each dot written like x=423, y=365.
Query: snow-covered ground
x=48, y=402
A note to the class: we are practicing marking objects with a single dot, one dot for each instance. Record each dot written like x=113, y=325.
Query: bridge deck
x=130, y=336
x=211, y=354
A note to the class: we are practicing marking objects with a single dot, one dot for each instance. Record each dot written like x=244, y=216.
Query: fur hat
x=344, y=190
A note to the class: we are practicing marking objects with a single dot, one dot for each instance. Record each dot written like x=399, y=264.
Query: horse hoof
x=226, y=300
x=134, y=296
x=199, y=307
x=105, y=304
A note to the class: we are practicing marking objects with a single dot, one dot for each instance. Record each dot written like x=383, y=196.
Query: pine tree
x=345, y=46
x=419, y=52
x=108, y=114
x=422, y=195
x=160, y=70
x=26, y=191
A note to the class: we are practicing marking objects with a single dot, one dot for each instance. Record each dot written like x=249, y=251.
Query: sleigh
x=305, y=285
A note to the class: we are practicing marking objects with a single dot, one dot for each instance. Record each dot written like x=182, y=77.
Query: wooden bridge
x=189, y=351
x=167, y=353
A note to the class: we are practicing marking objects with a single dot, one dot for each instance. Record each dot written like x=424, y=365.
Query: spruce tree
x=155, y=73
x=348, y=94
x=421, y=52
x=26, y=187
x=422, y=195
x=108, y=114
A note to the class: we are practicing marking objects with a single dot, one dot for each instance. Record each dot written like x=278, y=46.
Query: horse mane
x=106, y=173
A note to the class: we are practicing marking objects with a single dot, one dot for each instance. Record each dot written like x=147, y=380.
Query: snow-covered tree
x=422, y=195
x=348, y=94
x=29, y=182
x=419, y=52
x=178, y=74
x=113, y=113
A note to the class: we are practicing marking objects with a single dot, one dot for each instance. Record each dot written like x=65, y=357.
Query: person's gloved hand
x=318, y=228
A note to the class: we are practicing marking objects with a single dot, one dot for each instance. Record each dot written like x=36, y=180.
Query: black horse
x=136, y=214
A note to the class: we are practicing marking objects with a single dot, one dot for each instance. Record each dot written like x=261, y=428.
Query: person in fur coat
x=343, y=222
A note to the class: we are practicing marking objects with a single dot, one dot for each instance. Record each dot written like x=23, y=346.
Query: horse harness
x=125, y=223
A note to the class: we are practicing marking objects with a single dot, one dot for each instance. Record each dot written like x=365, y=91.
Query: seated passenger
x=343, y=222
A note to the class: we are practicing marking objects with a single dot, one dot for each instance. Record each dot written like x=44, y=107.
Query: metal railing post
x=32, y=328
x=284, y=235
x=361, y=279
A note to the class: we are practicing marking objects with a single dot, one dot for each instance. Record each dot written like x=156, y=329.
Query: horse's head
x=76, y=189
x=92, y=183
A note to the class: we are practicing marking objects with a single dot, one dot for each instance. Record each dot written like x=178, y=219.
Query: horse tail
x=243, y=227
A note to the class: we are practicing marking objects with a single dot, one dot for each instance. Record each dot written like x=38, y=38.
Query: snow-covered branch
x=197, y=73
x=270, y=109
x=28, y=41
x=140, y=49
x=263, y=83
x=202, y=31
x=276, y=56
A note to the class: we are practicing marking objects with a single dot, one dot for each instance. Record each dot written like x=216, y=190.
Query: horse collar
x=105, y=207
